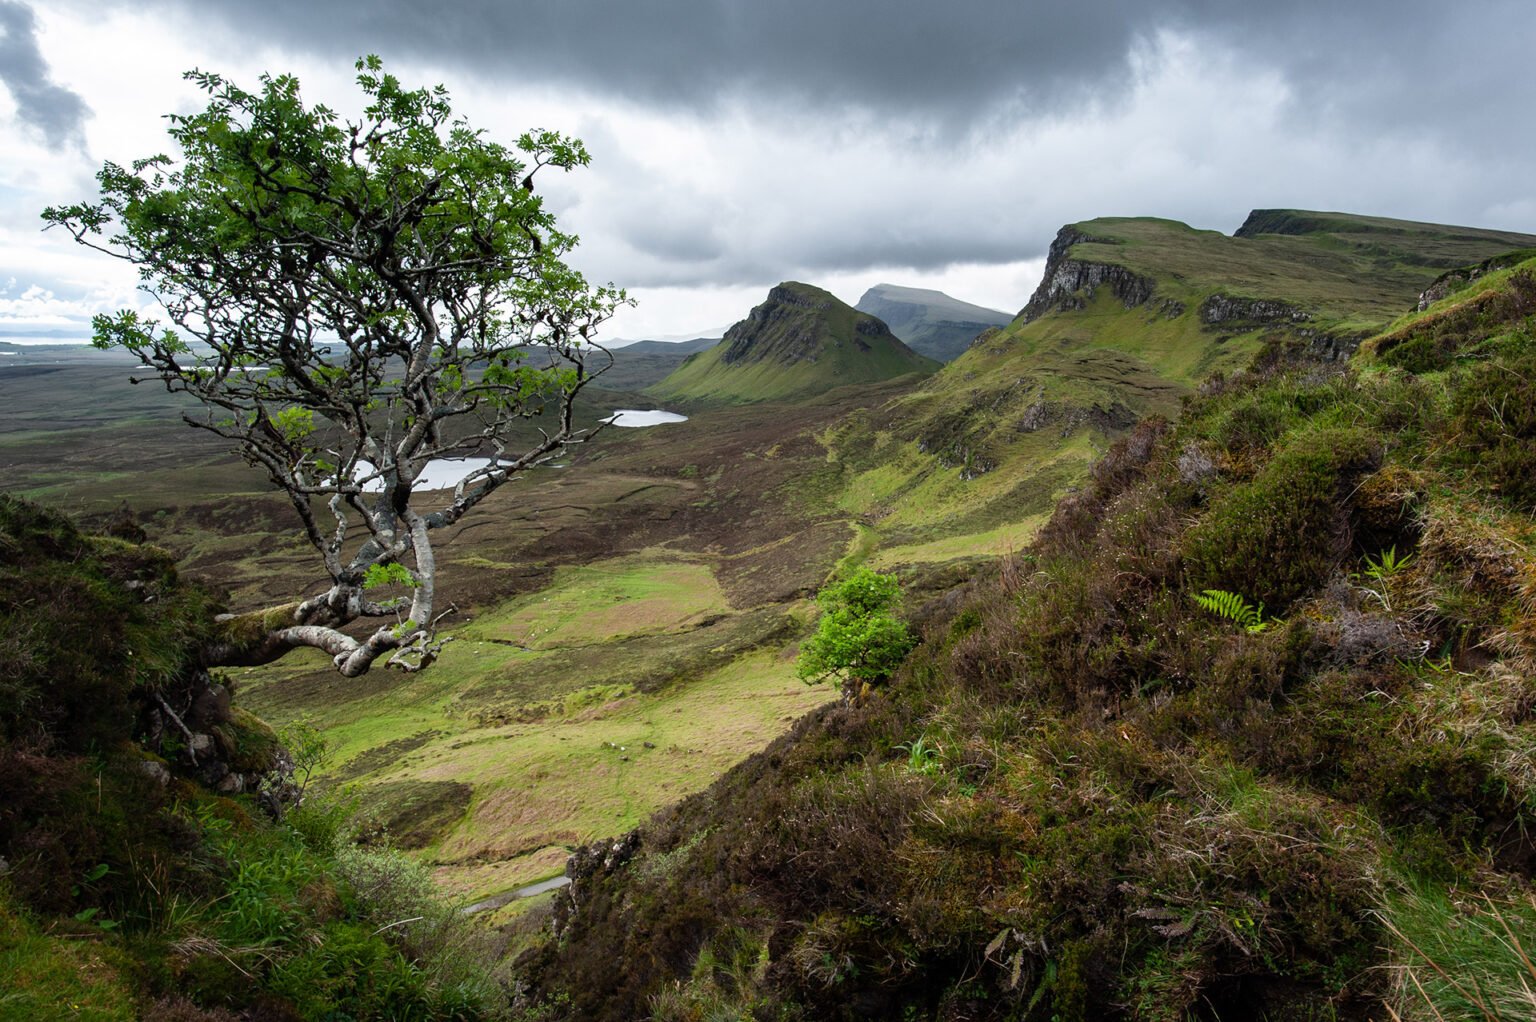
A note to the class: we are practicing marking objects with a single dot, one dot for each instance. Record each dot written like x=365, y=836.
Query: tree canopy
x=351, y=300
x=858, y=640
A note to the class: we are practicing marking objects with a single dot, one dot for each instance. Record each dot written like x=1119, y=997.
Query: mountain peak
x=801, y=340
x=930, y=322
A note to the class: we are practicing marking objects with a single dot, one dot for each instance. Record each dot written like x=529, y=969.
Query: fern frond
x=1233, y=607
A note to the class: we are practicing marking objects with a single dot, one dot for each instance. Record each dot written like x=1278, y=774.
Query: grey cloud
x=1398, y=107
x=53, y=110
x=911, y=55
x=1412, y=62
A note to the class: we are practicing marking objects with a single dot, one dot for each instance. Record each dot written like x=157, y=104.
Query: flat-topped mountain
x=1338, y=271
x=800, y=342
x=931, y=322
x=1130, y=316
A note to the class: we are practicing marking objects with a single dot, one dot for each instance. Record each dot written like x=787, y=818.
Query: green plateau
x=930, y=322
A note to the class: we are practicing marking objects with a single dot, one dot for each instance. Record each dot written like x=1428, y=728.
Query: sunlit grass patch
x=993, y=542
x=606, y=600
x=605, y=769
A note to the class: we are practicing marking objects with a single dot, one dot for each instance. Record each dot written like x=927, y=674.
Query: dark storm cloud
x=954, y=63
x=53, y=110
x=919, y=55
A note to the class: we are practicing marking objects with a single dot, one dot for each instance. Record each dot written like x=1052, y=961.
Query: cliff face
x=1451, y=281
x=1066, y=277
x=1230, y=309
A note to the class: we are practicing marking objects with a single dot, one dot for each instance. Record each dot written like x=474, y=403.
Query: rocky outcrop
x=587, y=868
x=114, y=659
x=194, y=726
x=1224, y=309
x=1451, y=281
x=789, y=327
x=1069, y=283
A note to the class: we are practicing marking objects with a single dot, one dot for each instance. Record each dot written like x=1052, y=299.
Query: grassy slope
x=829, y=333
x=644, y=595
x=123, y=897
x=983, y=447
x=650, y=574
x=533, y=726
x=1086, y=797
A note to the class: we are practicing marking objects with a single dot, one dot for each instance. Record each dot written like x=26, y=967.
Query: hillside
x=1084, y=797
x=157, y=860
x=798, y=343
x=1132, y=313
x=930, y=322
x=1089, y=795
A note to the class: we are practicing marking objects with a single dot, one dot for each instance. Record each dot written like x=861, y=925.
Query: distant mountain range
x=666, y=347
x=800, y=342
x=930, y=322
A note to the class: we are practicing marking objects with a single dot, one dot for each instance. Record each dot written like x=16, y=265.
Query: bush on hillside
x=1278, y=538
x=858, y=640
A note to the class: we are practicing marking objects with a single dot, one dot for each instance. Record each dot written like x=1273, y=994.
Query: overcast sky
x=737, y=143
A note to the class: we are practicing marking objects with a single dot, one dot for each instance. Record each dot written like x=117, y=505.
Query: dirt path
x=497, y=900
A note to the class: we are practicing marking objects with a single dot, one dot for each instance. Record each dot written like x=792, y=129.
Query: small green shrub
x=1282, y=534
x=858, y=639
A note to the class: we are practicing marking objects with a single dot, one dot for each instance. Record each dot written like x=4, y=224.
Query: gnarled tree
x=350, y=301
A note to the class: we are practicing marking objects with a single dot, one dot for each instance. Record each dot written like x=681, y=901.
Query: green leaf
x=394, y=574
x=1233, y=607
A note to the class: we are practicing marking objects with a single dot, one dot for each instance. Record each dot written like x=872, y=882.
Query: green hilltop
x=1132, y=313
x=798, y=343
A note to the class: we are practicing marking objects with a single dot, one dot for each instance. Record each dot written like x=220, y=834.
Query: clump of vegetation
x=128, y=889
x=1085, y=795
x=1280, y=535
x=858, y=640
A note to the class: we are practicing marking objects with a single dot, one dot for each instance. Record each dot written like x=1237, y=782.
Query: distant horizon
x=734, y=145
x=61, y=337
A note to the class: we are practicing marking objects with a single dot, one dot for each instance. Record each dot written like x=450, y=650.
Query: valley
x=624, y=625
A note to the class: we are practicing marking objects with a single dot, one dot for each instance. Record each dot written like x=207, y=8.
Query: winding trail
x=498, y=900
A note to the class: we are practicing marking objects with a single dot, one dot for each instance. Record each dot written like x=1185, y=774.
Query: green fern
x=1233, y=607
x=1386, y=565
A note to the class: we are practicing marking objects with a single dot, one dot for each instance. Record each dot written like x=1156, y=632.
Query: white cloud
x=700, y=209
